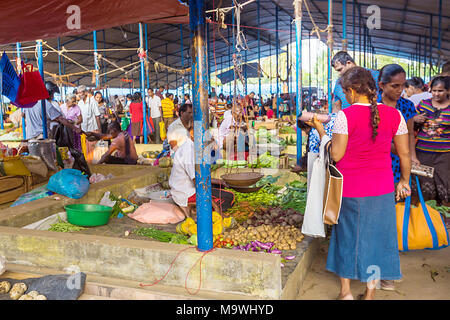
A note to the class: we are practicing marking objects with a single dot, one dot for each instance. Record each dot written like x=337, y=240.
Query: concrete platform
x=115, y=264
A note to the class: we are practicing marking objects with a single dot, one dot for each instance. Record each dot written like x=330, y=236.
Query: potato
x=5, y=286
x=293, y=246
x=40, y=297
x=15, y=295
x=19, y=286
x=33, y=293
x=25, y=297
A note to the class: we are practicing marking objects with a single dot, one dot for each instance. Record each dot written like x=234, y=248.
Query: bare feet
x=347, y=296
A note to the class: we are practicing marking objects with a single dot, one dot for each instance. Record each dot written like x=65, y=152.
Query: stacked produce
x=273, y=237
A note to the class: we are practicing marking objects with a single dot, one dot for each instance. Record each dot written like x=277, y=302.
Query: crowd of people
x=381, y=125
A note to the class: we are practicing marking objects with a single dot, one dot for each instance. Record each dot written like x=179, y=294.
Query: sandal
x=387, y=285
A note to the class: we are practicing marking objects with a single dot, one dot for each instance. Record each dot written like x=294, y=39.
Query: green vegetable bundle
x=162, y=236
x=294, y=197
x=445, y=211
x=261, y=197
x=62, y=226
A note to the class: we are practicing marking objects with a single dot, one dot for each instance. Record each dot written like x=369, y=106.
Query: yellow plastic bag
x=13, y=166
x=162, y=130
x=421, y=227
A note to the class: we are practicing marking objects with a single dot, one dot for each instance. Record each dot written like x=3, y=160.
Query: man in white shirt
x=178, y=131
x=154, y=105
x=91, y=120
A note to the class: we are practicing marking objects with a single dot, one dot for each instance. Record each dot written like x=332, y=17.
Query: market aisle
x=417, y=283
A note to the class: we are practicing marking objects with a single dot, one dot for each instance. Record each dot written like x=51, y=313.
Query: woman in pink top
x=364, y=243
x=72, y=112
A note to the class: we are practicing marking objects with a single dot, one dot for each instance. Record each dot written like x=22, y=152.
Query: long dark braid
x=361, y=80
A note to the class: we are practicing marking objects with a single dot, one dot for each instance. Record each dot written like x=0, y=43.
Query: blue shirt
x=314, y=138
x=33, y=118
x=339, y=92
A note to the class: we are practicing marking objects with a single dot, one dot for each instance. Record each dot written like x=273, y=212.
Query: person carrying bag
x=313, y=225
x=421, y=227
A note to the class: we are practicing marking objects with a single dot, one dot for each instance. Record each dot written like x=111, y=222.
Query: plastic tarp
x=24, y=20
x=251, y=68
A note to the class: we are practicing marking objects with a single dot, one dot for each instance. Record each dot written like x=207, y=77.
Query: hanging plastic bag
x=313, y=220
x=70, y=183
x=162, y=131
x=32, y=87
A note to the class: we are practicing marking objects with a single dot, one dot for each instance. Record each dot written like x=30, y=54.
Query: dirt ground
x=418, y=270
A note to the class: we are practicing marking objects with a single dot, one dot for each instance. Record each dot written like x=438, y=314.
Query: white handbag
x=313, y=225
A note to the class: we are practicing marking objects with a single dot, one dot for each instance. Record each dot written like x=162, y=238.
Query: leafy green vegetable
x=294, y=197
x=162, y=236
x=441, y=209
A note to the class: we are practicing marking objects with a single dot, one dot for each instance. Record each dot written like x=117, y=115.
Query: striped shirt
x=434, y=135
x=167, y=107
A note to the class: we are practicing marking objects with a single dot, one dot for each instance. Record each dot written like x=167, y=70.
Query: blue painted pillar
x=277, y=54
x=208, y=46
x=24, y=134
x=144, y=108
x=182, y=62
x=41, y=71
x=59, y=63
x=329, y=51
x=201, y=125
x=259, y=60
x=94, y=35
x=298, y=73
x=229, y=53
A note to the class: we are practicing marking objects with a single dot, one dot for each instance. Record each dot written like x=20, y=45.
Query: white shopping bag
x=313, y=225
x=101, y=148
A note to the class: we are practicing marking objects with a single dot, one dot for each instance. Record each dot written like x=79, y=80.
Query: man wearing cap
x=91, y=120
x=33, y=116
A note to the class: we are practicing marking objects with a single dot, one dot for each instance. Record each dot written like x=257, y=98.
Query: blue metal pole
x=201, y=125
x=298, y=73
x=229, y=52
x=277, y=53
x=41, y=71
x=330, y=72
x=59, y=59
x=24, y=134
x=430, y=57
x=146, y=50
x=105, y=66
x=144, y=108
x=94, y=35
x=344, y=25
x=440, y=30
x=182, y=61
x=259, y=60
x=354, y=30
x=207, y=57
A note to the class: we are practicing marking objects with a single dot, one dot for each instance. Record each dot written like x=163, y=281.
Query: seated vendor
x=122, y=149
x=182, y=182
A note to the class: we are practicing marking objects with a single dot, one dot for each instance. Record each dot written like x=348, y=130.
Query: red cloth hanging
x=32, y=87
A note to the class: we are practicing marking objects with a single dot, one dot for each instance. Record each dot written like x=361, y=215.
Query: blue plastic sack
x=70, y=183
x=32, y=195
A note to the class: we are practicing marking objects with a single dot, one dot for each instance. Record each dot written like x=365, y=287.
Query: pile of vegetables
x=289, y=141
x=151, y=154
x=287, y=130
x=162, y=236
x=274, y=216
x=260, y=198
x=294, y=197
x=121, y=206
x=62, y=226
x=242, y=211
x=274, y=237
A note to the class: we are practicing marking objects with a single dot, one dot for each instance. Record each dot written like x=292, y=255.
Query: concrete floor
x=417, y=283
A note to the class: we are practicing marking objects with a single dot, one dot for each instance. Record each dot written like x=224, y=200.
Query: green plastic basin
x=88, y=215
